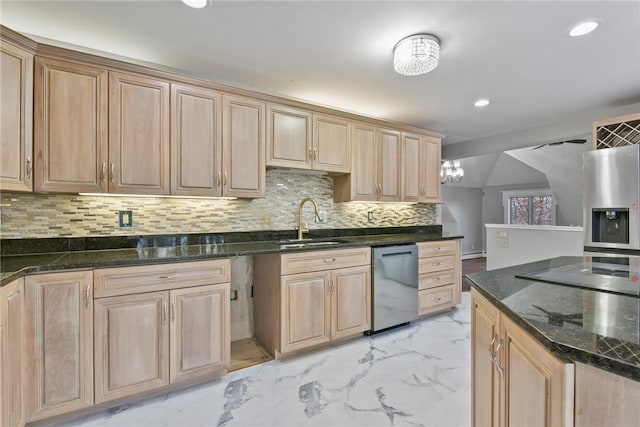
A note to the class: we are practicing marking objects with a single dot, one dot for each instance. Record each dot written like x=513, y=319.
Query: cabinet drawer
x=431, y=264
x=435, y=300
x=441, y=247
x=147, y=278
x=433, y=280
x=303, y=262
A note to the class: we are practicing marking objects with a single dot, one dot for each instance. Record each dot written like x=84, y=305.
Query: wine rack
x=616, y=131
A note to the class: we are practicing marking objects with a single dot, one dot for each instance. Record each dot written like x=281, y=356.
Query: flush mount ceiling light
x=416, y=54
x=583, y=28
x=482, y=103
x=196, y=4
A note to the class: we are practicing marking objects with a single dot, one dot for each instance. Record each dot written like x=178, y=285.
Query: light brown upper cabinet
x=16, y=98
x=138, y=134
x=196, y=141
x=289, y=137
x=243, y=147
x=70, y=127
x=376, y=168
x=389, y=165
x=421, y=168
x=303, y=140
x=331, y=144
x=430, y=169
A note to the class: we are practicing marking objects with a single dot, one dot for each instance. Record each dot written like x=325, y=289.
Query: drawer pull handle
x=435, y=263
x=329, y=259
x=168, y=277
x=173, y=311
x=86, y=296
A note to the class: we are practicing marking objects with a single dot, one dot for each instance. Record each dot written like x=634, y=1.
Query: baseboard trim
x=472, y=255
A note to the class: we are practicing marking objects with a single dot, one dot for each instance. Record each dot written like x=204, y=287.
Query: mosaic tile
x=49, y=215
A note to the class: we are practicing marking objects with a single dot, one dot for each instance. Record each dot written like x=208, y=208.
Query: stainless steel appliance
x=611, y=193
x=395, y=286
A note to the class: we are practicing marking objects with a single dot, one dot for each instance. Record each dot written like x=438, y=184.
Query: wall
x=509, y=244
x=41, y=215
x=492, y=209
x=462, y=214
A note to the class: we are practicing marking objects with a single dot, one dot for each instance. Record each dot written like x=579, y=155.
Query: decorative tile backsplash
x=48, y=215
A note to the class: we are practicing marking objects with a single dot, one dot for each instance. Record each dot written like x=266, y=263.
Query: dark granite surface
x=137, y=250
x=597, y=328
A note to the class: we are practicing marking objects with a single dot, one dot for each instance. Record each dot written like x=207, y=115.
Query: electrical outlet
x=234, y=295
x=370, y=217
x=125, y=219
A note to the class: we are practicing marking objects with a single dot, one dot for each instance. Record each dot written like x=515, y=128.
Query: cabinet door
x=485, y=380
x=305, y=317
x=59, y=348
x=360, y=185
x=138, y=134
x=350, y=301
x=411, y=172
x=289, y=142
x=331, y=144
x=131, y=344
x=389, y=165
x=243, y=136
x=430, y=169
x=200, y=331
x=538, y=386
x=196, y=141
x=16, y=98
x=12, y=366
x=70, y=127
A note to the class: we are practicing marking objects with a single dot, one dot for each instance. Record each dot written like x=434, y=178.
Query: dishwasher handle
x=397, y=254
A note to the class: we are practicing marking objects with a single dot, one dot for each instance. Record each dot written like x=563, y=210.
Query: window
x=529, y=207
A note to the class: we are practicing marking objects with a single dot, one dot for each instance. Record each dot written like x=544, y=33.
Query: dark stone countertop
x=163, y=249
x=603, y=329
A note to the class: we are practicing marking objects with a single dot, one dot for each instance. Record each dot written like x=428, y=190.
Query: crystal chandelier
x=451, y=171
x=417, y=54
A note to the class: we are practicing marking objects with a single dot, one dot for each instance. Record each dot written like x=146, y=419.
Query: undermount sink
x=291, y=244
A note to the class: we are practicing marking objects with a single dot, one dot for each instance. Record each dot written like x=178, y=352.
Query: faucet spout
x=315, y=207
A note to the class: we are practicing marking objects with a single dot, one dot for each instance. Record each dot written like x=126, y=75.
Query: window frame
x=507, y=195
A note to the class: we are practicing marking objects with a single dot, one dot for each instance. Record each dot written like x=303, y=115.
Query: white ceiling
x=543, y=84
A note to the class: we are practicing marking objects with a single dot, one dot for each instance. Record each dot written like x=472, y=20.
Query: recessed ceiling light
x=583, y=28
x=196, y=4
x=482, y=103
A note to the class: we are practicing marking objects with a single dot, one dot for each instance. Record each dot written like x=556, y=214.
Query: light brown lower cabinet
x=151, y=339
x=11, y=354
x=439, y=276
x=58, y=332
x=515, y=380
x=309, y=298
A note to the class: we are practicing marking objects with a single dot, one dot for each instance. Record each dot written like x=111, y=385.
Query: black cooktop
x=618, y=275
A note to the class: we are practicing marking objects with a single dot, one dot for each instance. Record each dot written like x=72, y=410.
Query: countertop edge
x=59, y=264
x=559, y=349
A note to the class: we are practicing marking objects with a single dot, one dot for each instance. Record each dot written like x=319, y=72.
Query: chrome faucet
x=315, y=206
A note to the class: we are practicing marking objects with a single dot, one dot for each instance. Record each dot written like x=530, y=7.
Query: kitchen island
x=555, y=354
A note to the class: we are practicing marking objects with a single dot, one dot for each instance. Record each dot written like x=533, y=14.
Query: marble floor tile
x=417, y=375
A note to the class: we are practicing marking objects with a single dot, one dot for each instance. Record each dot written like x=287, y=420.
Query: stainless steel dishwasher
x=395, y=286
